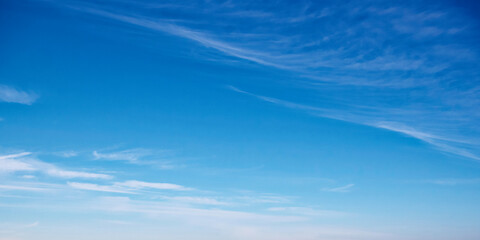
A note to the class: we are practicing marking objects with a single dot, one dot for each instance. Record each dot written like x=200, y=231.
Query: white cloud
x=307, y=211
x=23, y=162
x=197, y=200
x=16, y=155
x=138, y=156
x=342, y=189
x=128, y=186
x=162, y=186
x=117, y=222
x=396, y=66
x=229, y=224
x=55, y=172
x=442, y=143
x=456, y=146
x=22, y=188
x=12, y=95
x=13, y=163
x=35, y=224
x=130, y=155
x=96, y=187
x=28, y=176
x=264, y=199
x=66, y=154
x=125, y=204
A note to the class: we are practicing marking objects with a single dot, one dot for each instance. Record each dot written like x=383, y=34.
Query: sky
x=229, y=120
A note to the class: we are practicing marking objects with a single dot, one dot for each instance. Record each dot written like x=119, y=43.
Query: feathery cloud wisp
x=130, y=155
x=307, y=211
x=96, y=187
x=23, y=162
x=454, y=145
x=342, y=189
x=21, y=188
x=55, y=172
x=131, y=187
x=422, y=56
x=12, y=163
x=162, y=186
x=197, y=200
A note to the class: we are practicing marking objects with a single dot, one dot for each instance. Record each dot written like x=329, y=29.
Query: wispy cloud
x=55, y=172
x=22, y=188
x=131, y=187
x=162, y=186
x=35, y=224
x=276, y=224
x=22, y=162
x=302, y=52
x=139, y=156
x=341, y=189
x=11, y=163
x=28, y=176
x=30, y=186
x=442, y=143
x=307, y=211
x=374, y=118
x=12, y=95
x=124, y=204
x=66, y=154
x=197, y=200
x=264, y=199
x=129, y=155
x=96, y=187
x=422, y=55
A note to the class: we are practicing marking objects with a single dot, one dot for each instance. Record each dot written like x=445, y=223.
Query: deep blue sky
x=239, y=120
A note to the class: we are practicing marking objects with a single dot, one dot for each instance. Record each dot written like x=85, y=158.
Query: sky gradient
x=305, y=120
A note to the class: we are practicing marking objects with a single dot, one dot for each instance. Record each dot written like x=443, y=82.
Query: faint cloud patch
x=24, y=162
x=12, y=95
x=342, y=189
x=138, y=156
x=67, y=154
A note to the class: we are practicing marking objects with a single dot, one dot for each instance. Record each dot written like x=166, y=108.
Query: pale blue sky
x=239, y=120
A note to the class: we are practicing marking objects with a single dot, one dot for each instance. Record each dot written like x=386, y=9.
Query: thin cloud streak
x=342, y=189
x=137, y=156
x=130, y=187
x=96, y=187
x=235, y=224
x=162, y=186
x=125, y=204
x=197, y=200
x=75, y=174
x=130, y=155
x=308, y=211
x=21, y=188
x=179, y=31
x=22, y=162
x=442, y=143
x=11, y=163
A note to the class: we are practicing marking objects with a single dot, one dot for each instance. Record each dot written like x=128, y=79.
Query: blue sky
x=239, y=120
